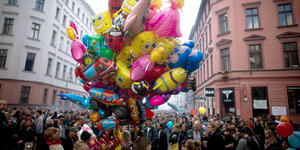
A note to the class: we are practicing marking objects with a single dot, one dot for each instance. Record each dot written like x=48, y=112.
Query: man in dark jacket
x=215, y=141
x=68, y=143
x=151, y=133
x=162, y=143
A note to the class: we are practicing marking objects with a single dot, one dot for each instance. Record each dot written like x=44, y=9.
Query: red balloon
x=155, y=73
x=285, y=129
x=149, y=114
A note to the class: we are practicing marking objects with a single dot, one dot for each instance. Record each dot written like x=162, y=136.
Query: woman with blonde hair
x=270, y=140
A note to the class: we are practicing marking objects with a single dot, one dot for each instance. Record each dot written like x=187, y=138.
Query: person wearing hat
x=68, y=143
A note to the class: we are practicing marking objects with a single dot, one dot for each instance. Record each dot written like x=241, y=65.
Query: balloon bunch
x=134, y=56
x=285, y=129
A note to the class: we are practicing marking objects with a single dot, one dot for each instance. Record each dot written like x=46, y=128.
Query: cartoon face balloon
x=122, y=76
x=127, y=6
x=162, y=53
x=102, y=22
x=144, y=43
x=115, y=39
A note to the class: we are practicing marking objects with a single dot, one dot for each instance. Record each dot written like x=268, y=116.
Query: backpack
x=252, y=144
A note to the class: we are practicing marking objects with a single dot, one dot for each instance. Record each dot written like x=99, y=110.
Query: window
x=211, y=64
x=206, y=38
x=68, y=47
x=39, y=5
x=210, y=33
x=260, y=101
x=207, y=68
x=90, y=26
x=73, y=6
x=225, y=59
x=81, y=34
x=8, y=25
x=290, y=54
x=25, y=91
x=64, y=21
x=294, y=99
x=13, y=2
x=45, y=96
x=252, y=18
x=204, y=71
x=70, y=74
x=3, y=56
x=285, y=14
x=61, y=43
x=87, y=21
x=201, y=75
x=48, y=72
x=29, y=61
x=57, y=69
x=67, y=2
x=78, y=12
x=255, y=56
x=53, y=37
x=35, y=31
x=82, y=18
x=57, y=13
x=53, y=97
x=64, y=72
x=223, y=23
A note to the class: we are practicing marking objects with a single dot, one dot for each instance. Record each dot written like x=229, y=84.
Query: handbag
x=174, y=146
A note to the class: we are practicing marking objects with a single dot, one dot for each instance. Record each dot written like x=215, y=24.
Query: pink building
x=251, y=57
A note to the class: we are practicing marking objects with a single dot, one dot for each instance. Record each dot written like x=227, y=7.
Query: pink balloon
x=77, y=50
x=141, y=68
x=158, y=99
x=74, y=27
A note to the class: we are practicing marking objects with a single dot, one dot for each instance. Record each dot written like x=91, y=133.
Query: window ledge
x=12, y=5
x=48, y=75
x=255, y=29
x=223, y=34
x=256, y=69
x=38, y=10
x=33, y=39
x=287, y=26
x=6, y=34
x=28, y=71
x=53, y=45
x=3, y=68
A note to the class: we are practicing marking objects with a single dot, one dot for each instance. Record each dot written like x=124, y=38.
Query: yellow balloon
x=144, y=43
x=122, y=76
x=71, y=33
x=101, y=22
x=202, y=110
x=162, y=52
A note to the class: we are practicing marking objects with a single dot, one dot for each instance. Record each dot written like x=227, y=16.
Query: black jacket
x=67, y=143
x=152, y=136
x=215, y=142
x=162, y=143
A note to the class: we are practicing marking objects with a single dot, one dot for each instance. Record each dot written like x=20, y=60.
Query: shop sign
x=209, y=92
x=279, y=111
x=260, y=104
x=227, y=95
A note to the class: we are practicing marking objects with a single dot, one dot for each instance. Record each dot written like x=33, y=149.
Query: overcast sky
x=188, y=14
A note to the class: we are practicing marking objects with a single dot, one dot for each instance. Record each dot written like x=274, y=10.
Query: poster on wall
x=227, y=95
x=209, y=92
x=260, y=104
x=279, y=111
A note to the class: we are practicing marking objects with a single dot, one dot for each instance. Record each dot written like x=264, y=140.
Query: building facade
x=35, y=58
x=251, y=57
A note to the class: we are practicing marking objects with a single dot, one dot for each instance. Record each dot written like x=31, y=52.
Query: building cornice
x=10, y=13
x=222, y=10
x=288, y=34
x=223, y=42
x=254, y=37
x=32, y=48
x=6, y=44
x=251, y=4
x=37, y=18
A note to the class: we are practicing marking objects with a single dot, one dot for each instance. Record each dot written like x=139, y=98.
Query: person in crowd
x=215, y=141
x=191, y=145
x=83, y=144
x=49, y=123
x=184, y=130
x=126, y=140
x=273, y=127
x=218, y=127
x=259, y=131
x=196, y=133
x=151, y=133
x=175, y=136
x=61, y=127
x=124, y=128
x=270, y=140
x=52, y=139
x=247, y=142
x=71, y=138
x=27, y=133
x=241, y=125
x=135, y=132
x=39, y=127
x=79, y=122
x=142, y=143
x=162, y=138
x=229, y=140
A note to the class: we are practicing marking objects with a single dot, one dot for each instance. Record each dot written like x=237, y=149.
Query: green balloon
x=107, y=53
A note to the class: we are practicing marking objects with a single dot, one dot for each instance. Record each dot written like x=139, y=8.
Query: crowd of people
x=45, y=129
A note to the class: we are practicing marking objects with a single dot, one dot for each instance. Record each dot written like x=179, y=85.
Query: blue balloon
x=294, y=139
x=170, y=125
x=84, y=40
